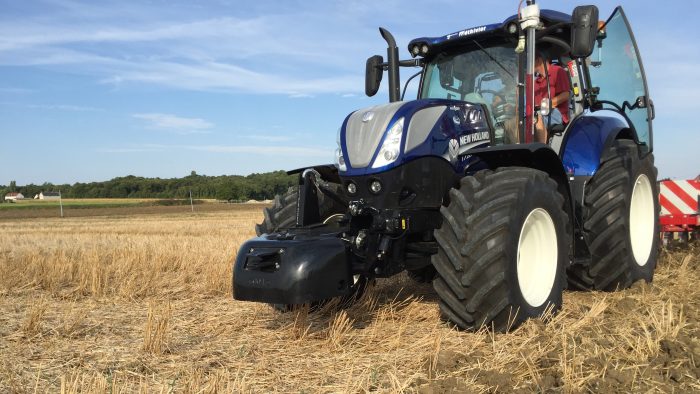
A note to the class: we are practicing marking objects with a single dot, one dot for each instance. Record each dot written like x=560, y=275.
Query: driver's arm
x=561, y=87
x=562, y=97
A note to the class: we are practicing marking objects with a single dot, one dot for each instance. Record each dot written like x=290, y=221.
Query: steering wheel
x=495, y=93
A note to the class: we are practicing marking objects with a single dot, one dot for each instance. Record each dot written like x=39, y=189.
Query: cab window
x=481, y=75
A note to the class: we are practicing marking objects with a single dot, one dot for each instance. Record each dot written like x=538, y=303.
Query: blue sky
x=94, y=90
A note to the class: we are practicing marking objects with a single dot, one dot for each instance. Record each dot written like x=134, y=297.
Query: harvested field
x=142, y=303
x=115, y=209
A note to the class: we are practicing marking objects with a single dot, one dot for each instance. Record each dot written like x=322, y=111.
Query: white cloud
x=37, y=35
x=191, y=52
x=270, y=138
x=63, y=107
x=126, y=150
x=16, y=90
x=300, y=95
x=258, y=150
x=266, y=150
x=175, y=123
x=215, y=76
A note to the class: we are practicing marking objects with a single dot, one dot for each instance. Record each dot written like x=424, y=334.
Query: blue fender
x=586, y=140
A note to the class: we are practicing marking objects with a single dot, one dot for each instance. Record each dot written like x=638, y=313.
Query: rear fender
x=587, y=140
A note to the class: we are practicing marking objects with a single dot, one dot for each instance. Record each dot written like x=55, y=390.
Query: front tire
x=621, y=222
x=422, y=275
x=503, y=246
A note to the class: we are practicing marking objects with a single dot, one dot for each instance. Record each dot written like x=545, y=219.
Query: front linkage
x=325, y=257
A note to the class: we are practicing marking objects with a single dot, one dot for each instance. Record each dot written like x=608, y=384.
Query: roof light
x=512, y=28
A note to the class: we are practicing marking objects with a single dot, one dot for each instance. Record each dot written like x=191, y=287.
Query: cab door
x=616, y=69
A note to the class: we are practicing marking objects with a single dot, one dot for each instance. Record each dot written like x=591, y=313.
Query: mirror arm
x=407, y=82
x=411, y=63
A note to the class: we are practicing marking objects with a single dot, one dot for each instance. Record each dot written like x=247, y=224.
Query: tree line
x=225, y=187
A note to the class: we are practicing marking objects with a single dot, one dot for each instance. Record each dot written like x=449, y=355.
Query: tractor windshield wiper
x=494, y=59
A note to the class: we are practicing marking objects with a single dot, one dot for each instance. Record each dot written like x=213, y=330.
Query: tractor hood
x=375, y=139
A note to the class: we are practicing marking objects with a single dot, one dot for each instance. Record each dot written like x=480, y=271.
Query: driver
x=559, y=88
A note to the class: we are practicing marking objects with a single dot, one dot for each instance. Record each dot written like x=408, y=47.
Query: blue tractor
x=476, y=185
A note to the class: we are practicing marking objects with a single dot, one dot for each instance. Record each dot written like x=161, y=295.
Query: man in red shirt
x=559, y=88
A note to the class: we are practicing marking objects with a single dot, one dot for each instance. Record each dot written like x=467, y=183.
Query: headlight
x=391, y=147
x=339, y=159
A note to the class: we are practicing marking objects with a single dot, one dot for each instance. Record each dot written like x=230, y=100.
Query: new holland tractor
x=461, y=187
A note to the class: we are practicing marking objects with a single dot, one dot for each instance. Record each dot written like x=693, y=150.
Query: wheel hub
x=641, y=220
x=537, y=257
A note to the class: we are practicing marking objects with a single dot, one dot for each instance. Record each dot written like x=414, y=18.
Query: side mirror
x=373, y=74
x=584, y=30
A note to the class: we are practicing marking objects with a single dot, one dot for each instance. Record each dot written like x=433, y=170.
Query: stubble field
x=142, y=302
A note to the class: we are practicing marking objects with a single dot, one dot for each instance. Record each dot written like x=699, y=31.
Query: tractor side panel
x=586, y=140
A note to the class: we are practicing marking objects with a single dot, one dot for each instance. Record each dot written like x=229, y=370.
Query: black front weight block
x=294, y=269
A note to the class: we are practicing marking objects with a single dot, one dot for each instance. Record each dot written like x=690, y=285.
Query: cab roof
x=548, y=18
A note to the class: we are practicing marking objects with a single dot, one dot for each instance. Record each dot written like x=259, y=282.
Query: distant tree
x=193, y=173
x=224, y=187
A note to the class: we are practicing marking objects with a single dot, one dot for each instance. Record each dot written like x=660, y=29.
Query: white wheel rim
x=642, y=220
x=537, y=257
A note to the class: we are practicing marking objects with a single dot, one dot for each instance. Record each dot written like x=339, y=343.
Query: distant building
x=49, y=196
x=13, y=196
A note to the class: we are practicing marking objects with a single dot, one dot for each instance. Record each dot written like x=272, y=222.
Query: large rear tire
x=283, y=214
x=621, y=222
x=503, y=245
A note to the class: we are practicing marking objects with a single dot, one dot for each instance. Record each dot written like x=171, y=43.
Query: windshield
x=482, y=75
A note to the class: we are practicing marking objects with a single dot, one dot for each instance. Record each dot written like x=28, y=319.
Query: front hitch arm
x=307, y=200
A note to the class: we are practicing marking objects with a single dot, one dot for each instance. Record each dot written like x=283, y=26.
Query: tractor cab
x=487, y=65
x=492, y=66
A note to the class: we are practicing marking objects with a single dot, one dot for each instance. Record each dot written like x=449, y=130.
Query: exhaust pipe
x=392, y=52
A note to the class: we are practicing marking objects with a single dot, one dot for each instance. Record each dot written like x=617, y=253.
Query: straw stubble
x=142, y=304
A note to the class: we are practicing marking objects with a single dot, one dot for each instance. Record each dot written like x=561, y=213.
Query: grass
x=94, y=203
x=107, y=207
x=142, y=303
x=74, y=203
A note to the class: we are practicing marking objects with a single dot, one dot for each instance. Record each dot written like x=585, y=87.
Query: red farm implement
x=679, y=208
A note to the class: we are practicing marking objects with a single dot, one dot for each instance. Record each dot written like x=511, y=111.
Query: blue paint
x=437, y=141
x=585, y=141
